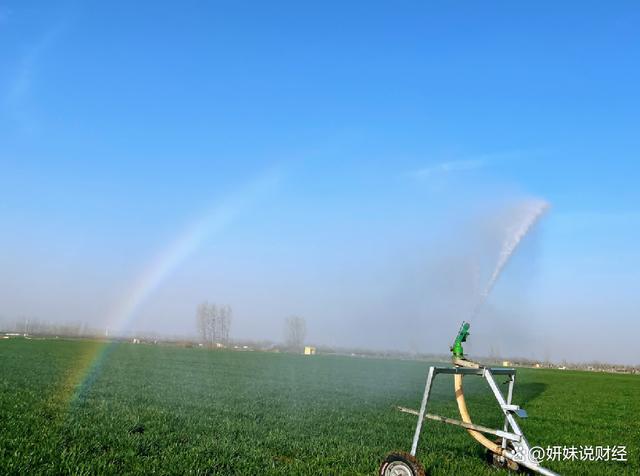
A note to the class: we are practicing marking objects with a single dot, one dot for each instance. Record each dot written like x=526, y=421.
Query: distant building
x=308, y=350
x=506, y=363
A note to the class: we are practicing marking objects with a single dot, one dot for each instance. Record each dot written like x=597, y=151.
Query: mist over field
x=363, y=275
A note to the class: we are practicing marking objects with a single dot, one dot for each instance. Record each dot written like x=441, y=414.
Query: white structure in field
x=308, y=350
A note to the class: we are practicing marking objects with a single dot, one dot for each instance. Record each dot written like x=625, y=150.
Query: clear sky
x=347, y=162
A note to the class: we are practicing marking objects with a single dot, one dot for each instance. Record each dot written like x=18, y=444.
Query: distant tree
x=295, y=330
x=224, y=323
x=201, y=321
x=213, y=323
x=212, y=316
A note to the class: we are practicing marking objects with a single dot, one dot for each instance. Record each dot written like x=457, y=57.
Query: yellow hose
x=464, y=413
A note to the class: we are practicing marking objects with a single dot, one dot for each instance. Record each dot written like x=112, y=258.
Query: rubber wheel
x=400, y=463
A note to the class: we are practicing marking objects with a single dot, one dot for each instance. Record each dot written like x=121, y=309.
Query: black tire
x=399, y=463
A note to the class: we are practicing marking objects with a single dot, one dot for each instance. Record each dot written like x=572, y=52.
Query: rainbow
x=214, y=221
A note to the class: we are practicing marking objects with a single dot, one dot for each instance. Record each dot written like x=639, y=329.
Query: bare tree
x=212, y=328
x=213, y=323
x=224, y=321
x=201, y=321
x=295, y=331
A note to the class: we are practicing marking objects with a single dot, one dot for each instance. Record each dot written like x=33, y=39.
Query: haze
x=357, y=165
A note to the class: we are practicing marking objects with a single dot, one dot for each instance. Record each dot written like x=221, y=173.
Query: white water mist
x=529, y=215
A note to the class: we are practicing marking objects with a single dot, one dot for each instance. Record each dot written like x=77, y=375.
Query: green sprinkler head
x=456, y=348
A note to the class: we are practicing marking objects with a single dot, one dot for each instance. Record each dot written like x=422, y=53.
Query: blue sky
x=387, y=133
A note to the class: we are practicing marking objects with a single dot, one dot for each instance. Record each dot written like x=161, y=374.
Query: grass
x=168, y=410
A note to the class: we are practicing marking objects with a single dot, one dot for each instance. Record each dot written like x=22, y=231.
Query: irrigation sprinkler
x=509, y=450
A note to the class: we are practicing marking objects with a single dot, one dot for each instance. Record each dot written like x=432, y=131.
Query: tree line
x=35, y=326
x=214, y=323
x=214, y=326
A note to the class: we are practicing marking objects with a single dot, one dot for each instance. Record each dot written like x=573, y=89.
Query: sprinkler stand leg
x=423, y=408
x=512, y=381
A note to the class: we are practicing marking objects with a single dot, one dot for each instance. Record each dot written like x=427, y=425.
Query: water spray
x=509, y=448
x=534, y=210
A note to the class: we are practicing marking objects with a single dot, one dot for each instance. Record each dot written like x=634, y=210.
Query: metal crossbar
x=468, y=426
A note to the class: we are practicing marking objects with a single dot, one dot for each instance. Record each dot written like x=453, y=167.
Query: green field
x=169, y=410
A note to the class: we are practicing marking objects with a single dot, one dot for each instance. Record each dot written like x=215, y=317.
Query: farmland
x=170, y=410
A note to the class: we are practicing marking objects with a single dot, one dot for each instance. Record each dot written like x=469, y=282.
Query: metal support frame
x=519, y=451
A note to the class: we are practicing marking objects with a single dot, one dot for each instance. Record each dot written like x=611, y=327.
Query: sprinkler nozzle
x=456, y=348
